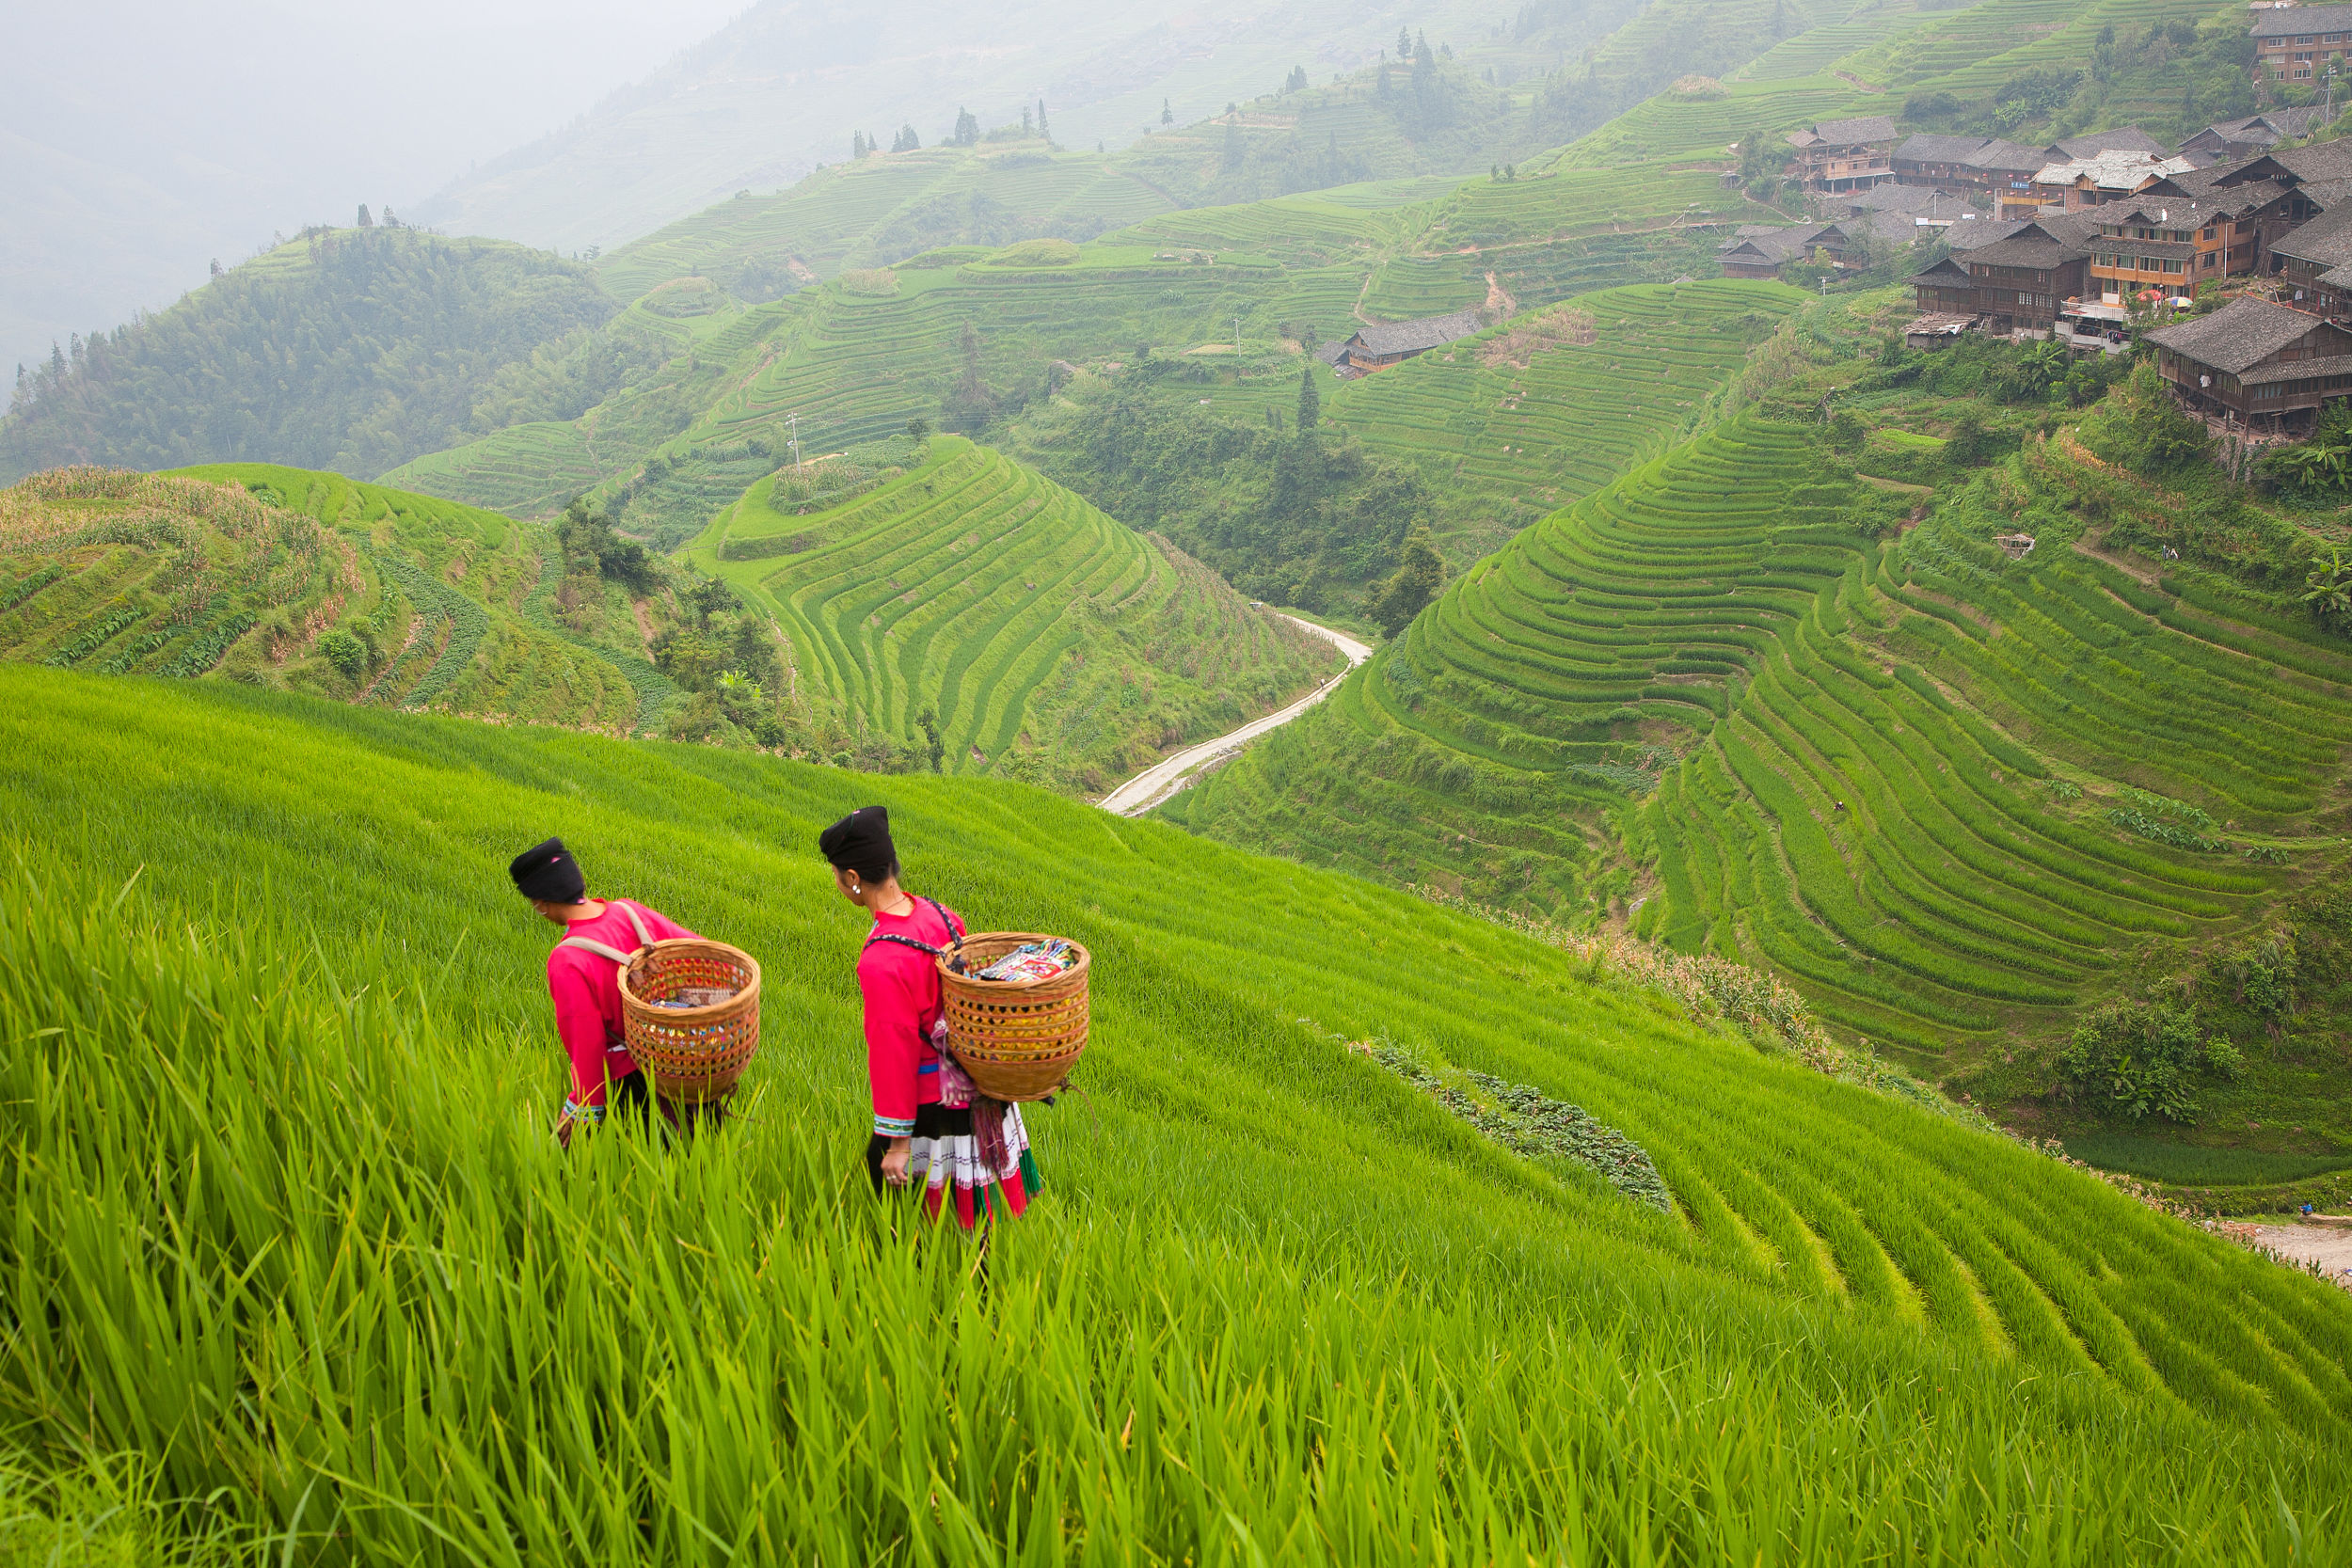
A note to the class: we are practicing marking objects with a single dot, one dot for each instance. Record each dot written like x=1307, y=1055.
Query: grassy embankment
x=1277, y=1302
x=241, y=572
x=1041, y=639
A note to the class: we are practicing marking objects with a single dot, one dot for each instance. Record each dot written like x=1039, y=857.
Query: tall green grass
x=1275, y=1306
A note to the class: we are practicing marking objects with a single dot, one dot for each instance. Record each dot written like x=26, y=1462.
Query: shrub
x=2140, y=427
x=2137, y=1057
x=345, y=652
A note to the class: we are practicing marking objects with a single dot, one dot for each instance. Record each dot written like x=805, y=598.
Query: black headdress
x=860, y=842
x=547, y=873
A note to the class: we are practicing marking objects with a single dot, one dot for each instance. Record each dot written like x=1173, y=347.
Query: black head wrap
x=547, y=874
x=860, y=842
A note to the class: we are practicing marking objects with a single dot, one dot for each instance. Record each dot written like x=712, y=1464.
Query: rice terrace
x=1182, y=786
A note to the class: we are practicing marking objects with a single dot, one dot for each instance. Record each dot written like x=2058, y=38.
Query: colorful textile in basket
x=977, y=1172
x=1033, y=960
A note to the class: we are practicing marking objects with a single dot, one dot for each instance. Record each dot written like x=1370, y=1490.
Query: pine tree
x=967, y=127
x=1309, y=400
x=217, y=267
x=1043, y=129
x=1422, y=50
x=365, y=221
x=1168, y=113
x=1404, y=43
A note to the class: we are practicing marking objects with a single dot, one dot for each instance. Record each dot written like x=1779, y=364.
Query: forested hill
x=350, y=349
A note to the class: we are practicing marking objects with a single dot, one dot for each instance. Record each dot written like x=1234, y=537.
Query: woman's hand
x=894, y=1161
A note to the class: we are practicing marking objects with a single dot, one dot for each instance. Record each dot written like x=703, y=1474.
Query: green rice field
x=1047, y=640
x=1554, y=405
x=2180, y=1164
x=237, y=572
x=1950, y=795
x=1276, y=1302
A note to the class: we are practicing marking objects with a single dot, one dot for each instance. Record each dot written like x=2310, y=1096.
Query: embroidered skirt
x=974, y=1158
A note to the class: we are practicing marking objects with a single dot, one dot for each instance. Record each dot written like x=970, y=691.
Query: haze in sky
x=140, y=140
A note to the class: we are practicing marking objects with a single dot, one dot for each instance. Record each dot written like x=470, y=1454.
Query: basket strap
x=904, y=942
x=645, y=938
x=590, y=944
x=946, y=918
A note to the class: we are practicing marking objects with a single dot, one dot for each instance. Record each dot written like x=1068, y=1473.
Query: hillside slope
x=278, y=577
x=344, y=349
x=1956, y=797
x=973, y=607
x=1858, y=1332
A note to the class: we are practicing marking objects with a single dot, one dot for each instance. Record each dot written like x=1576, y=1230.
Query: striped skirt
x=959, y=1159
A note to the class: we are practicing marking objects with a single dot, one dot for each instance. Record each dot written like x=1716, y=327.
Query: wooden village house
x=2293, y=43
x=1841, y=154
x=2264, y=367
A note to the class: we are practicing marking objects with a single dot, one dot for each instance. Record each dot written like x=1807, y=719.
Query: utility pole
x=1237, y=341
x=794, y=420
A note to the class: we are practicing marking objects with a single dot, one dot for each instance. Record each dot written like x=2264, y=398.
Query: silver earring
x=854, y=888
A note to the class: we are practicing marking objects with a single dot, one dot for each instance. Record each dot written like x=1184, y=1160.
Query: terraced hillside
x=1855, y=1329
x=1953, y=795
x=1873, y=59
x=1554, y=403
x=875, y=211
x=974, y=608
x=856, y=366
x=284, y=578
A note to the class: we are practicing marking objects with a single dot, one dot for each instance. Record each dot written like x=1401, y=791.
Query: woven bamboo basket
x=694, y=1055
x=1015, y=1039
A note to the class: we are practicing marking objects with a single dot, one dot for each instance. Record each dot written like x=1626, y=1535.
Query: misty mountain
x=784, y=87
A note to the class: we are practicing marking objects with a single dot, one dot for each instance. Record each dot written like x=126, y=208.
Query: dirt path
x=2329, y=1247
x=1166, y=776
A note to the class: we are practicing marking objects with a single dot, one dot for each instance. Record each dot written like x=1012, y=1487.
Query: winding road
x=1169, y=775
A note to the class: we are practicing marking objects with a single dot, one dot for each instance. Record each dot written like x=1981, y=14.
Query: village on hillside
x=2231, y=253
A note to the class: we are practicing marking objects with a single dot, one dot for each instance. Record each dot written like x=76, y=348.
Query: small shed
x=1936, y=329
x=1377, y=345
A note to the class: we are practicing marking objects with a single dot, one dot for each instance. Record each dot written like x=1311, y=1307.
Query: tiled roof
x=1384, y=337
x=2079, y=226
x=2124, y=169
x=2298, y=370
x=1918, y=201
x=2240, y=334
x=2007, y=155
x=2124, y=245
x=2330, y=160
x=1925, y=149
x=2264, y=128
x=1983, y=231
x=2123, y=139
x=1854, y=133
x=1776, y=246
x=2327, y=239
x=1944, y=274
x=2027, y=250
x=2296, y=21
